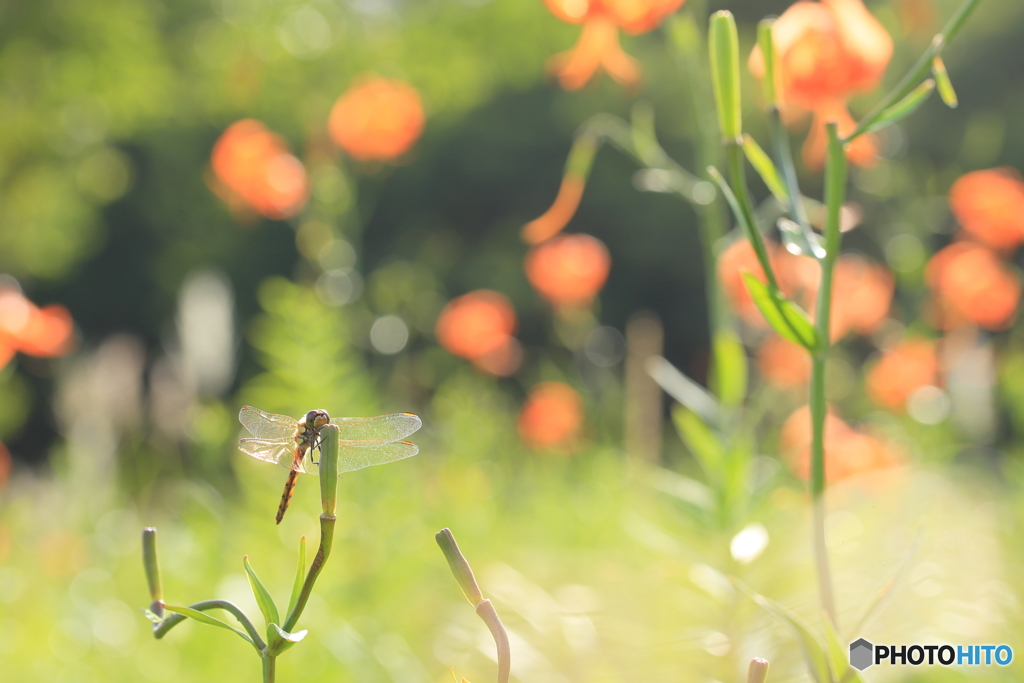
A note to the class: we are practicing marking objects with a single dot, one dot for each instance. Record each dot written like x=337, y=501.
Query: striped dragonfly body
x=290, y=443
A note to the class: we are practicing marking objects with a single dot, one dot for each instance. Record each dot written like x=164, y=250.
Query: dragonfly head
x=316, y=418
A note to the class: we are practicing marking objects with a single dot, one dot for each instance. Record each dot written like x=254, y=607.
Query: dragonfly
x=290, y=443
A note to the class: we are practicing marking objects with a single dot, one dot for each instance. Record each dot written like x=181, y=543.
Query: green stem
x=919, y=70
x=269, y=667
x=784, y=157
x=161, y=629
x=327, y=523
x=835, y=192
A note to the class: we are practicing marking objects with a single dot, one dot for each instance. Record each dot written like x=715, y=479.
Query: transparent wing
x=358, y=457
x=382, y=429
x=266, y=425
x=278, y=451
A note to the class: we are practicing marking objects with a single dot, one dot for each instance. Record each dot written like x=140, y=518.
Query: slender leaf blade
x=905, y=107
x=798, y=241
x=204, y=618
x=765, y=168
x=838, y=657
x=701, y=441
x=813, y=649
x=730, y=369
x=682, y=388
x=785, y=317
x=262, y=595
x=943, y=84
x=299, y=576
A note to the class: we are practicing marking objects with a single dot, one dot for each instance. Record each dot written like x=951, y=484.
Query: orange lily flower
x=478, y=326
x=972, y=286
x=990, y=206
x=783, y=363
x=552, y=417
x=42, y=332
x=598, y=45
x=568, y=270
x=256, y=170
x=848, y=451
x=377, y=119
x=900, y=371
x=827, y=52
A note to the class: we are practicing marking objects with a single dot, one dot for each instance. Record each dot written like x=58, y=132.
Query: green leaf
x=799, y=241
x=905, y=107
x=942, y=82
x=785, y=317
x=204, y=618
x=682, y=488
x=152, y=616
x=813, y=650
x=723, y=45
x=839, y=657
x=730, y=369
x=263, y=599
x=682, y=388
x=300, y=577
x=765, y=168
x=701, y=441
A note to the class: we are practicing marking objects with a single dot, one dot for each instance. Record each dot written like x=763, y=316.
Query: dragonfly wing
x=266, y=425
x=357, y=457
x=357, y=431
x=278, y=451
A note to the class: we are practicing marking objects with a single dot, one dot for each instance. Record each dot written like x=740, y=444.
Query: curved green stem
x=918, y=71
x=161, y=629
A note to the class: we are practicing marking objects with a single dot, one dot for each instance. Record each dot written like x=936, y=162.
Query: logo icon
x=861, y=654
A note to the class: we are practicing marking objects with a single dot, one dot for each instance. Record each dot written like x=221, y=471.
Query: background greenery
x=108, y=112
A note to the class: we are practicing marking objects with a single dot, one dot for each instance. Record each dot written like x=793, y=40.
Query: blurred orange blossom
x=990, y=206
x=377, y=119
x=42, y=332
x=478, y=326
x=598, y=44
x=568, y=270
x=255, y=166
x=827, y=52
x=901, y=370
x=861, y=294
x=972, y=285
x=783, y=363
x=551, y=417
x=848, y=451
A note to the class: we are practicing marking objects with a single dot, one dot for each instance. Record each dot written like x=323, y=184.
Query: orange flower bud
x=551, y=417
x=990, y=207
x=902, y=370
x=476, y=324
x=972, y=286
x=568, y=270
x=44, y=333
x=377, y=119
x=561, y=212
x=255, y=166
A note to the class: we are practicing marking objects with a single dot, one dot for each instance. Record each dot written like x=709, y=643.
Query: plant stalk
x=835, y=193
x=269, y=667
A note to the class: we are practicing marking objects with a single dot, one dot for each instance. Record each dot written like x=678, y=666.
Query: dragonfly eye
x=317, y=418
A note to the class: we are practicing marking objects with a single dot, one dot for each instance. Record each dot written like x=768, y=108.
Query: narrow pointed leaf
x=838, y=656
x=279, y=640
x=723, y=45
x=204, y=618
x=263, y=599
x=300, y=576
x=767, y=45
x=765, y=168
x=785, y=317
x=905, y=107
x=813, y=649
x=730, y=369
x=799, y=241
x=701, y=441
x=682, y=388
x=943, y=84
